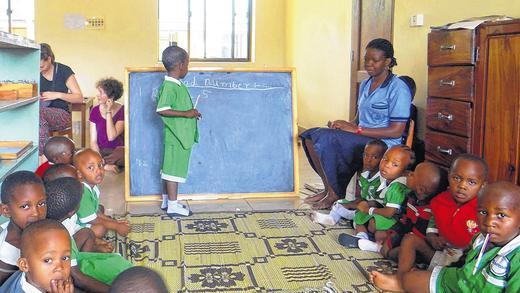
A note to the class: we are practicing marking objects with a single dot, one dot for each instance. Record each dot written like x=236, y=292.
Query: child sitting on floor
x=381, y=215
x=44, y=262
x=425, y=182
x=63, y=198
x=452, y=225
x=59, y=171
x=23, y=202
x=90, y=269
x=365, y=189
x=91, y=171
x=58, y=149
x=138, y=280
x=493, y=261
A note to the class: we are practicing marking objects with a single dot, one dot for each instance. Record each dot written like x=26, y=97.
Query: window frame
x=233, y=33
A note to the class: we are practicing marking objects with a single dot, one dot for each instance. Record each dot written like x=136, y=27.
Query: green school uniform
x=498, y=271
x=104, y=267
x=89, y=204
x=180, y=133
x=368, y=187
x=392, y=196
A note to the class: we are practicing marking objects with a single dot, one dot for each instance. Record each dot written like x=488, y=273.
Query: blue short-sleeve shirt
x=390, y=102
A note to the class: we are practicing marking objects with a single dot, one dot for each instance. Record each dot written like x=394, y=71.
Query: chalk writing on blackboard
x=227, y=84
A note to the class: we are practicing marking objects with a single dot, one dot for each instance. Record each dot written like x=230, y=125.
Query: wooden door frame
x=355, y=51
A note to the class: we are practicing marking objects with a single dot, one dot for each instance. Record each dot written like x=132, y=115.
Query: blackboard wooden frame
x=141, y=198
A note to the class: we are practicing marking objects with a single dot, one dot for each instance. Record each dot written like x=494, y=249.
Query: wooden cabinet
x=474, y=97
x=19, y=119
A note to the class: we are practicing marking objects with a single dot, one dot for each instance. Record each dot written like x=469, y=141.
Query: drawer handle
x=447, y=47
x=445, y=151
x=443, y=82
x=448, y=117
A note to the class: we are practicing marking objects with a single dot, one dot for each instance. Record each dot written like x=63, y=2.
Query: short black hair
x=55, y=145
x=173, y=55
x=137, y=280
x=410, y=83
x=443, y=181
x=46, y=52
x=507, y=189
x=36, y=228
x=407, y=150
x=83, y=152
x=385, y=46
x=379, y=143
x=473, y=158
x=57, y=171
x=112, y=87
x=63, y=196
x=15, y=180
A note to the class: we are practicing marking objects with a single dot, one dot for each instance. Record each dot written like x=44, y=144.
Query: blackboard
x=247, y=142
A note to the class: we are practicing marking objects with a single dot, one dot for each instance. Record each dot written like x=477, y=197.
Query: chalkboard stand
x=206, y=196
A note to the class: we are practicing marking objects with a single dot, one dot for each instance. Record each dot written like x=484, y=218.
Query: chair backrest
x=411, y=133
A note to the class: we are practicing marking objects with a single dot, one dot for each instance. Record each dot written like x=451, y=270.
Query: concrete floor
x=112, y=197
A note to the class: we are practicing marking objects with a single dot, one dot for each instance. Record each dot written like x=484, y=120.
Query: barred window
x=210, y=30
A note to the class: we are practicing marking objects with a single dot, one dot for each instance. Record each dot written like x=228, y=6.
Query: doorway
x=371, y=19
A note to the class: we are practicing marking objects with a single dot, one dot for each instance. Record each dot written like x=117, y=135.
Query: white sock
x=342, y=211
x=367, y=245
x=174, y=208
x=362, y=235
x=164, y=203
x=323, y=219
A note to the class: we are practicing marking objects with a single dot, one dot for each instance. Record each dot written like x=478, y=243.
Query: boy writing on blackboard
x=180, y=128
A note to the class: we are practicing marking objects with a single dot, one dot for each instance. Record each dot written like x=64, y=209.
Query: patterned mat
x=281, y=251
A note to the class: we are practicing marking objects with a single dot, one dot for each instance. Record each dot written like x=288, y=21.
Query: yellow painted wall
x=130, y=37
x=318, y=46
x=310, y=35
x=411, y=42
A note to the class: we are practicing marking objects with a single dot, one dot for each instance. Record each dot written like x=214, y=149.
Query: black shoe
x=348, y=240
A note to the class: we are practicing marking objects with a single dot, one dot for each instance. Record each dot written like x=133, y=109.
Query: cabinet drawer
x=443, y=148
x=451, y=47
x=451, y=82
x=449, y=116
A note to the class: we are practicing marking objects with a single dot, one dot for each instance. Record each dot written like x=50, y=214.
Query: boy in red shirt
x=453, y=222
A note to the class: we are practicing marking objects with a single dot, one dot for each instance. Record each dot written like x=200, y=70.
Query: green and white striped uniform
x=391, y=196
x=499, y=271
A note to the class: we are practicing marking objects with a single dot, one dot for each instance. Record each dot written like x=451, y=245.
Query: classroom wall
x=318, y=46
x=411, y=42
x=129, y=38
x=306, y=34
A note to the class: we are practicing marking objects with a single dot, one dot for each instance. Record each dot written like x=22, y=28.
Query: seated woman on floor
x=107, y=123
x=335, y=153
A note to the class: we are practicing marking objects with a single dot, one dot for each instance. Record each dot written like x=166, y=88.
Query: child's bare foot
x=101, y=245
x=386, y=282
x=326, y=203
x=315, y=198
x=322, y=219
x=113, y=168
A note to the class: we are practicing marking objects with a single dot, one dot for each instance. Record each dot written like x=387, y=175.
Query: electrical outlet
x=417, y=20
x=95, y=23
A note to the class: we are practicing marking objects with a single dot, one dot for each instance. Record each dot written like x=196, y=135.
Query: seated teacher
x=107, y=123
x=58, y=88
x=335, y=153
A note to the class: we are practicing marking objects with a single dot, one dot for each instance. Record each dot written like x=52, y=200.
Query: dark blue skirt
x=340, y=154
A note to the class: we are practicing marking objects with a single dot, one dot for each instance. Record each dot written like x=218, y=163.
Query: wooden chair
x=64, y=132
x=410, y=134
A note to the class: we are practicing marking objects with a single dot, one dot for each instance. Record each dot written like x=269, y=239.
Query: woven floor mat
x=249, y=252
